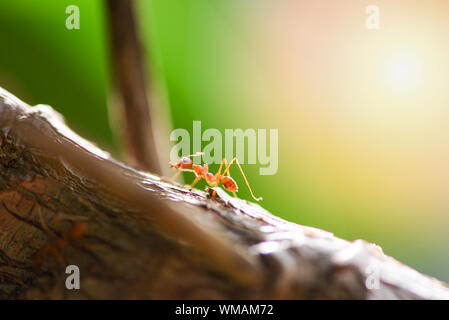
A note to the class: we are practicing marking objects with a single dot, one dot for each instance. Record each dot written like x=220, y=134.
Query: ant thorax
x=211, y=179
x=199, y=170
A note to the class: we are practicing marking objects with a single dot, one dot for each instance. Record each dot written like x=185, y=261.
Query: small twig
x=126, y=54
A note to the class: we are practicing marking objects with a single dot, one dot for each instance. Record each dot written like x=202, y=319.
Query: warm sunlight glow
x=404, y=71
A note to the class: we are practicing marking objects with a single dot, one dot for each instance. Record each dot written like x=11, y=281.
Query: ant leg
x=194, y=182
x=229, y=169
x=235, y=195
x=58, y=242
x=221, y=166
x=244, y=177
x=218, y=172
x=179, y=171
x=225, y=162
x=44, y=225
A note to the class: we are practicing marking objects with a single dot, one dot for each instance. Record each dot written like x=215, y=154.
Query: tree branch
x=126, y=54
x=137, y=235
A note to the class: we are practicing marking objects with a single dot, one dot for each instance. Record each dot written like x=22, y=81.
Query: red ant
x=213, y=180
x=76, y=231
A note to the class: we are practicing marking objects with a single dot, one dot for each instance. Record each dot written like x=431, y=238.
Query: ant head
x=184, y=163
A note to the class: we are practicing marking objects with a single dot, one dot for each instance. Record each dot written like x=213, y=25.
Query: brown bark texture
x=135, y=235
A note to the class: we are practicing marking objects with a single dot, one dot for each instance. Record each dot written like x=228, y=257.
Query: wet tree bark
x=136, y=235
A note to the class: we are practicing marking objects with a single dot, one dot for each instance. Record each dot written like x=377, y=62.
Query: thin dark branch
x=129, y=68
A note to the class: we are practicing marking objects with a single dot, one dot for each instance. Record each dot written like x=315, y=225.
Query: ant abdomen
x=229, y=184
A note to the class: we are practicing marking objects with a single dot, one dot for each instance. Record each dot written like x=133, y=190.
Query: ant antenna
x=195, y=154
x=189, y=156
x=244, y=177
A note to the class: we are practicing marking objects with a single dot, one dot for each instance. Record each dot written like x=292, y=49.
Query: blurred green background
x=357, y=157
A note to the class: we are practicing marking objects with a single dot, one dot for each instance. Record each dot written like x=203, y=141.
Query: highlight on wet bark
x=137, y=235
